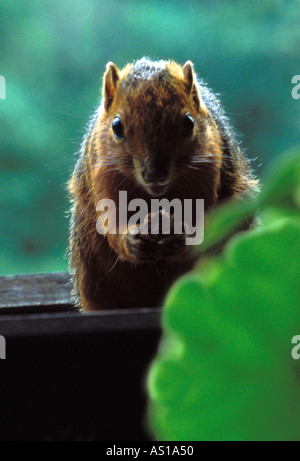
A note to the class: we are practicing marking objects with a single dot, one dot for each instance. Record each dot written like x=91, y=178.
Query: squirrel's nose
x=153, y=174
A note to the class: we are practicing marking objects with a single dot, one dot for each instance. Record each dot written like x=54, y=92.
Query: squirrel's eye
x=118, y=128
x=188, y=126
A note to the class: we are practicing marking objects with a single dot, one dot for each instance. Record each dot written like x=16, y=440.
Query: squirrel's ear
x=191, y=83
x=111, y=78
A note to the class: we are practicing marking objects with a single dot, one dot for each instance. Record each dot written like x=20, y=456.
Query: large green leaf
x=225, y=370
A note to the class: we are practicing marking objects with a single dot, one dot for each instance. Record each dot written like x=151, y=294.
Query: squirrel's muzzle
x=156, y=173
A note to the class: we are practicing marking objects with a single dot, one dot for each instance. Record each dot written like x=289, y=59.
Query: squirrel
x=158, y=132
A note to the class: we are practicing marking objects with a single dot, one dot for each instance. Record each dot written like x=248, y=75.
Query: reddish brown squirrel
x=157, y=133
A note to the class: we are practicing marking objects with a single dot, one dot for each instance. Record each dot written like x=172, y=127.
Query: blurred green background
x=53, y=54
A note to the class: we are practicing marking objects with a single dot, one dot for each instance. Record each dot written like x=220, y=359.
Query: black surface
x=76, y=387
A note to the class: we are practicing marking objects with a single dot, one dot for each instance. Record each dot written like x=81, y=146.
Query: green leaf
x=283, y=183
x=225, y=370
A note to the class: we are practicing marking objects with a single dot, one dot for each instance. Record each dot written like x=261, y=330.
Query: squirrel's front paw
x=142, y=246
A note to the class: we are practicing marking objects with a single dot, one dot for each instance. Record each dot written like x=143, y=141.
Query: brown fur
x=151, y=99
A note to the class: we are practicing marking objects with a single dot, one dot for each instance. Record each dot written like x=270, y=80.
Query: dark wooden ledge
x=69, y=375
x=76, y=323
x=35, y=293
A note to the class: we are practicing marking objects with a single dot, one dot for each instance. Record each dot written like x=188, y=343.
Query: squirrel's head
x=156, y=121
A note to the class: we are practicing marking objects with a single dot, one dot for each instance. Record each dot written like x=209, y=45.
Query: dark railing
x=68, y=375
